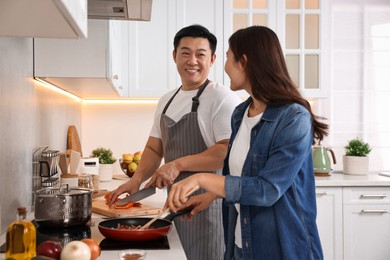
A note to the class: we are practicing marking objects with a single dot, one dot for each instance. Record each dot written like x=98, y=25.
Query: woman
x=268, y=179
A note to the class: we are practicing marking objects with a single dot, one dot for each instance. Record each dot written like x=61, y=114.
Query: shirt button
x=244, y=220
x=246, y=244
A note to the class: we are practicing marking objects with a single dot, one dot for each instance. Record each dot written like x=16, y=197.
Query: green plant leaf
x=105, y=155
x=357, y=147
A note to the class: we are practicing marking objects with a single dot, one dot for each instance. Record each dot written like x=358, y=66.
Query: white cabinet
x=152, y=71
x=366, y=223
x=88, y=68
x=44, y=18
x=330, y=221
x=354, y=222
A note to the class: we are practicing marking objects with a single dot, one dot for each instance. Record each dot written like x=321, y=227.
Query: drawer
x=366, y=195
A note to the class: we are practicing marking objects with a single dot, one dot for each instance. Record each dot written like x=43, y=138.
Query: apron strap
x=195, y=100
x=169, y=102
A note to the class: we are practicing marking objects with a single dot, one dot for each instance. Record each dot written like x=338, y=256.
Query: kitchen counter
x=340, y=179
x=157, y=200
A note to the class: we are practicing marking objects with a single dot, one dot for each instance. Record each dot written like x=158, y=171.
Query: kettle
x=321, y=160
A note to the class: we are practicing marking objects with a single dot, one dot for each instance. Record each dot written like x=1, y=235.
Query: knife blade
x=137, y=196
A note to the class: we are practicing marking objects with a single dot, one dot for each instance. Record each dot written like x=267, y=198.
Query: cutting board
x=73, y=141
x=100, y=207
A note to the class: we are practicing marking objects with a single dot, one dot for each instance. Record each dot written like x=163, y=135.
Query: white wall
x=30, y=116
x=122, y=127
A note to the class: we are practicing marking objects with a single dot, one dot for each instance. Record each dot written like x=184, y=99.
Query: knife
x=137, y=196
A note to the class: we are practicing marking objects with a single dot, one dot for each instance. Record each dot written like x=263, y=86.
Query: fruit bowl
x=124, y=167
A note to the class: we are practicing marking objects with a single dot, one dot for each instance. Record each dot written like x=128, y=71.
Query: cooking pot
x=159, y=228
x=63, y=207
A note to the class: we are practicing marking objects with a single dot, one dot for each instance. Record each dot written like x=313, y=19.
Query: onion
x=93, y=245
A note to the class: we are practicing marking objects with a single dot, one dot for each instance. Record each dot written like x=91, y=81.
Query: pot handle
x=172, y=215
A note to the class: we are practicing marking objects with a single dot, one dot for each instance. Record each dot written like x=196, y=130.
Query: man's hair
x=196, y=31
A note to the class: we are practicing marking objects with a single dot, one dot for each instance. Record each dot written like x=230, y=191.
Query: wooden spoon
x=147, y=225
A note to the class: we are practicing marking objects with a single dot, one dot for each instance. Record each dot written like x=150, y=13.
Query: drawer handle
x=373, y=196
x=375, y=211
x=322, y=193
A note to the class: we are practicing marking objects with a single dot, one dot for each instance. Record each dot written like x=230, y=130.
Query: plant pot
x=105, y=172
x=355, y=165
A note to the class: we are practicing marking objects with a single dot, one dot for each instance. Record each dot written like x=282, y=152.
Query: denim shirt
x=276, y=191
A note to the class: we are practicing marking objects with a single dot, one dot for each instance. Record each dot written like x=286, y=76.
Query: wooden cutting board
x=73, y=141
x=100, y=207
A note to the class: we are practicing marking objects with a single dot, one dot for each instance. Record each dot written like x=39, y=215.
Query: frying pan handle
x=172, y=215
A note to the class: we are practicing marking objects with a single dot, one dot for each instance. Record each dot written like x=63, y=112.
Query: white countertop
x=157, y=200
x=340, y=179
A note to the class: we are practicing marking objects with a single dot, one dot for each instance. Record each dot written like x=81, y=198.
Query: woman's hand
x=199, y=202
x=178, y=194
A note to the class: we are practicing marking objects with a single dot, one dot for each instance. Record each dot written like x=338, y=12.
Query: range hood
x=134, y=10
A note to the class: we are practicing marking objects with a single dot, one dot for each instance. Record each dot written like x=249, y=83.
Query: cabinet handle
x=375, y=211
x=372, y=196
x=116, y=77
x=322, y=193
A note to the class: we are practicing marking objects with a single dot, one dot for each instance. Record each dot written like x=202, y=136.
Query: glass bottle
x=21, y=238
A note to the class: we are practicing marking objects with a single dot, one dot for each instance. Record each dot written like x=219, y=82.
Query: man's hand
x=165, y=175
x=130, y=186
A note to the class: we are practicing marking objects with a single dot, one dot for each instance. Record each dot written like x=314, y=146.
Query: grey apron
x=201, y=237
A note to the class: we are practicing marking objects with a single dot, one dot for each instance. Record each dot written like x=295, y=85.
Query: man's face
x=193, y=61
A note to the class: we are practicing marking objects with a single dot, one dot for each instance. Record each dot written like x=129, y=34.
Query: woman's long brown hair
x=267, y=71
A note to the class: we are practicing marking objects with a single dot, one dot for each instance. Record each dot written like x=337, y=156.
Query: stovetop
x=66, y=235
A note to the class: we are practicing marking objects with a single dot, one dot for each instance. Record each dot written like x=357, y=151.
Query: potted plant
x=355, y=160
x=106, y=162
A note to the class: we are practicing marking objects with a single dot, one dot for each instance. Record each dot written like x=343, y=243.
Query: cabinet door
x=329, y=221
x=366, y=232
x=152, y=70
x=118, y=65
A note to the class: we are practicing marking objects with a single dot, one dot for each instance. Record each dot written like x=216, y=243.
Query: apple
x=132, y=167
x=50, y=249
x=76, y=250
x=137, y=158
x=138, y=153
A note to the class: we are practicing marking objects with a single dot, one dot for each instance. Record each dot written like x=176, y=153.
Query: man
x=191, y=132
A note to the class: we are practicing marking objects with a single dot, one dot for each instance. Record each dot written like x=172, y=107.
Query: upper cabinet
x=93, y=68
x=43, y=18
x=301, y=28
x=152, y=70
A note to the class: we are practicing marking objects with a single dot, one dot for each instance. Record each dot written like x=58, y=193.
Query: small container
x=85, y=181
x=132, y=254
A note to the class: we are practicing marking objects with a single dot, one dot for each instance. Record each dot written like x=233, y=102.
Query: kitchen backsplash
x=31, y=116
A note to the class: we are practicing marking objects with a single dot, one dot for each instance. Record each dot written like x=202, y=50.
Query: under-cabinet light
x=58, y=90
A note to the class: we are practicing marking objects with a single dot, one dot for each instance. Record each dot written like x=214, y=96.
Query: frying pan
x=159, y=229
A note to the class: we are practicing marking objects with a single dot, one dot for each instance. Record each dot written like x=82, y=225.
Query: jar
x=85, y=181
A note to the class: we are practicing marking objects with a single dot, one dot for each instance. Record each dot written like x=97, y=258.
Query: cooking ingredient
x=138, y=153
x=127, y=157
x=127, y=206
x=21, y=237
x=76, y=250
x=132, y=167
x=50, y=248
x=137, y=158
x=93, y=246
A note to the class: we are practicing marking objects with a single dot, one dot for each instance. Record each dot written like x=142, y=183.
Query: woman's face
x=235, y=71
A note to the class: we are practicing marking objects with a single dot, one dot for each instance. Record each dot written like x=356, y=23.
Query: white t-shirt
x=216, y=105
x=238, y=154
